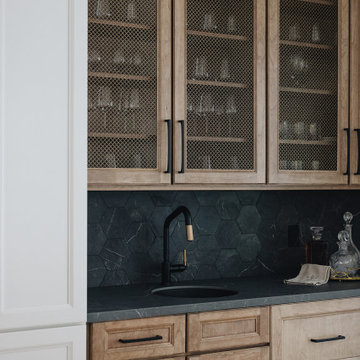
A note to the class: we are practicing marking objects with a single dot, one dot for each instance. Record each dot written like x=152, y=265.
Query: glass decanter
x=345, y=263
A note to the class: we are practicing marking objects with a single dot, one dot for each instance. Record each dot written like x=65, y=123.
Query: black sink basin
x=194, y=291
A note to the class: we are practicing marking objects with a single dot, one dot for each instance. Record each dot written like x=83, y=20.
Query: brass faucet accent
x=168, y=268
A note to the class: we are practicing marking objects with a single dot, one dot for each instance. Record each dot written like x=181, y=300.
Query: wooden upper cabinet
x=308, y=78
x=355, y=90
x=219, y=91
x=129, y=92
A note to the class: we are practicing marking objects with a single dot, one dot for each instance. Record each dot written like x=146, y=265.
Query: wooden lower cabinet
x=322, y=330
x=260, y=353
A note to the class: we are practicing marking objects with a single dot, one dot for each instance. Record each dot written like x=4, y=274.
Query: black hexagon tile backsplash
x=237, y=233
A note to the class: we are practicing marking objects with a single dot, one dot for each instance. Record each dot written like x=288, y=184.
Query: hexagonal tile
x=268, y=204
x=163, y=198
x=96, y=271
x=207, y=220
x=249, y=247
x=287, y=216
x=188, y=199
x=207, y=242
x=96, y=207
x=139, y=237
x=207, y=198
x=115, y=198
x=96, y=239
x=139, y=206
x=157, y=219
x=189, y=274
x=227, y=205
x=178, y=241
x=228, y=263
x=228, y=235
x=117, y=277
x=248, y=197
x=115, y=223
x=207, y=271
x=140, y=268
x=249, y=219
x=114, y=254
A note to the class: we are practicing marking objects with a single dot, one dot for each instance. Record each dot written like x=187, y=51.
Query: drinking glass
x=110, y=160
x=315, y=164
x=104, y=102
x=294, y=32
x=314, y=131
x=231, y=105
x=315, y=33
x=284, y=130
x=119, y=59
x=103, y=9
x=283, y=165
x=299, y=130
x=132, y=10
x=200, y=68
x=225, y=70
x=232, y=27
x=209, y=22
x=94, y=59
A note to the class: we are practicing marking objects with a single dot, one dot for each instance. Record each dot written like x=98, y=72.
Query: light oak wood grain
x=105, y=344
x=293, y=325
x=218, y=330
x=261, y=353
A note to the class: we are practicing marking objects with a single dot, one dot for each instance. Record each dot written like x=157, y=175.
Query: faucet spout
x=167, y=268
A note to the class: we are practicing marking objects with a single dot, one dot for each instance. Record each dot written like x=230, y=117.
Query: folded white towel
x=311, y=274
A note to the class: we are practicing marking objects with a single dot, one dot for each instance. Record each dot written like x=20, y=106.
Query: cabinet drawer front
x=261, y=353
x=314, y=335
x=227, y=329
x=139, y=338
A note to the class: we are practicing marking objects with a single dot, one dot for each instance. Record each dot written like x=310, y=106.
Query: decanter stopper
x=348, y=216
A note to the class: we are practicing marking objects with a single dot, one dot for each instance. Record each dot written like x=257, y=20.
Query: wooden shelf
x=308, y=142
x=102, y=75
x=217, y=35
x=306, y=91
x=216, y=139
x=119, y=136
x=307, y=45
x=217, y=83
x=321, y=2
x=118, y=24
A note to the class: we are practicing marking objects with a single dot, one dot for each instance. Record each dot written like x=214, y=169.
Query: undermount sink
x=194, y=291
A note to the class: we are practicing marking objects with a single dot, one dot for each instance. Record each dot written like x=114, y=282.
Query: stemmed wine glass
x=104, y=102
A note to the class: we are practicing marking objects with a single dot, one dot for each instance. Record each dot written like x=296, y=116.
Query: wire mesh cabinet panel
x=129, y=99
x=308, y=91
x=219, y=91
x=355, y=91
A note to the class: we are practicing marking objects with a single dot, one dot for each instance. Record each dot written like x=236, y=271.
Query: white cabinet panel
x=68, y=343
x=43, y=69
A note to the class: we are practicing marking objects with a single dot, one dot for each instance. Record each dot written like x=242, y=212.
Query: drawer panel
x=228, y=329
x=294, y=326
x=261, y=353
x=138, y=339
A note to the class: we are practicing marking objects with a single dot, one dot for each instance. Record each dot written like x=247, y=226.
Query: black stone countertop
x=137, y=301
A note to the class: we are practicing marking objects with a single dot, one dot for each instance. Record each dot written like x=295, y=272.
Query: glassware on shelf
x=299, y=130
x=315, y=33
x=345, y=263
x=294, y=32
x=104, y=103
x=103, y=9
x=283, y=165
x=132, y=10
x=225, y=70
x=231, y=24
x=235, y=162
x=296, y=164
x=317, y=248
x=200, y=68
x=315, y=165
x=231, y=107
x=314, y=131
x=284, y=130
x=94, y=59
x=205, y=161
x=137, y=159
x=298, y=67
x=119, y=60
x=110, y=161
x=209, y=23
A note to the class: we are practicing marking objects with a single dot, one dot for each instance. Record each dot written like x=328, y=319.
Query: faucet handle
x=189, y=232
x=185, y=258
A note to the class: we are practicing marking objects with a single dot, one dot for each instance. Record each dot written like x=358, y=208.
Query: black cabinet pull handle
x=182, y=123
x=340, y=337
x=348, y=152
x=130, y=341
x=168, y=171
x=358, y=135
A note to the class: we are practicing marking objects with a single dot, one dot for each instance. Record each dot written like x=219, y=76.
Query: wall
x=237, y=233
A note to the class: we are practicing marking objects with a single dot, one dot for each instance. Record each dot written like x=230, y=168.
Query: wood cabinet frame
x=307, y=177
x=113, y=177
x=180, y=113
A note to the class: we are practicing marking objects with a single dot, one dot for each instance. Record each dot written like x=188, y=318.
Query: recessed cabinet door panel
x=42, y=163
x=308, y=91
x=129, y=97
x=355, y=91
x=260, y=353
x=66, y=343
x=219, y=91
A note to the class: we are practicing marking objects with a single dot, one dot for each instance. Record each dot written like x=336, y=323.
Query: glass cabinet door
x=219, y=91
x=308, y=91
x=129, y=98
